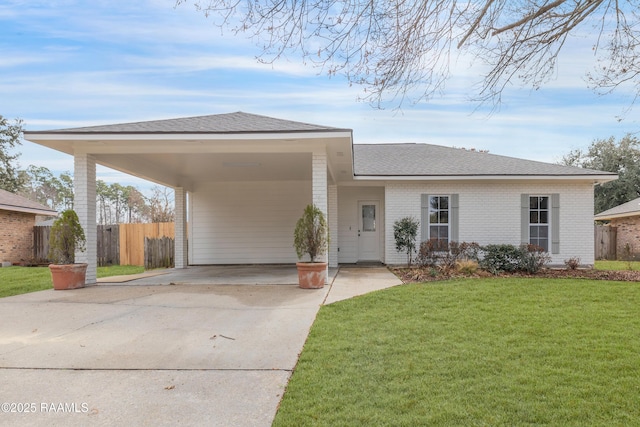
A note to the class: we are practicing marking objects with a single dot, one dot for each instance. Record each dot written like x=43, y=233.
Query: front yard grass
x=21, y=280
x=494, y=352
x=617, y=265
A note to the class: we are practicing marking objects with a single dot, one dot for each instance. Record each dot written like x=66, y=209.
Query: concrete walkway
x=192, y=354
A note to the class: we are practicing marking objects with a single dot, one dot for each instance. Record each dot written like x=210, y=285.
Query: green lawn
x=20, y=280
x=617, y=265
x=474, y=352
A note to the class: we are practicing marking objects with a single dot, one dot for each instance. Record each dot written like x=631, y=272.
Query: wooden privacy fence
x=108, y=244
x=132, y=240
x=122, y=244
x=605, y=242
x=41, y=243
x=158, y=253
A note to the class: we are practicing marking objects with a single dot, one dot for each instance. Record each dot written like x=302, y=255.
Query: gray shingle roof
x=435, y=160
x=13, y=202
x=238, y=122
x=631, y=208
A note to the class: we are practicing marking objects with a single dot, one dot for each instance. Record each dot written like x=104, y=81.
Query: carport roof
x=231, y=123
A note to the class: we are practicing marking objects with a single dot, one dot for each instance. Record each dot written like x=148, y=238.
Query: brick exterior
x=628, y=234
x=16, y=236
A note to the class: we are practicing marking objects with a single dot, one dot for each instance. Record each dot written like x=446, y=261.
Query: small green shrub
x=405, y=231
x=533, y=258
x=509, y=258
x=501, y=258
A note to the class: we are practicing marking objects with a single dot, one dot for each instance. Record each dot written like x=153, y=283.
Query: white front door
x=369, y=231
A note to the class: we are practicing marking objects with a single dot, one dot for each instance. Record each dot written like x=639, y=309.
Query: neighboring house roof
x=13, y=202
x=631, y=208
x=425, y=160
x=238, y=122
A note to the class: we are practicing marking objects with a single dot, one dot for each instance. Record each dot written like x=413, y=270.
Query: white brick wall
x=332, y=195
x=490, y=213
x=85, y=206
x=181, y=258
x=319, y=186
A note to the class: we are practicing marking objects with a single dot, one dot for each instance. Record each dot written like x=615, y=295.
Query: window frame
x=548, y=224
x=439, y=246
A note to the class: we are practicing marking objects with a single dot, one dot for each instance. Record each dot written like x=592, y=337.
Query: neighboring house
x=626, y=219
x=17, y=219
x=241, y=182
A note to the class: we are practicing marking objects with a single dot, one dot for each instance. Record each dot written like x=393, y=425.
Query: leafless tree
x=397, y=49
x=161, y=204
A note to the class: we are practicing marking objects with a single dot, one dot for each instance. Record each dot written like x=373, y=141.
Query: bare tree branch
x=403, y=49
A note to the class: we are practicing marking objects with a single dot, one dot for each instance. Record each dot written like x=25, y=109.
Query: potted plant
x=311, y=237
x=66, y=237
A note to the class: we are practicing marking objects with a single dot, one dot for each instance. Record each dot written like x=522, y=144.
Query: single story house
x=17, y=219
x=241, y=182
x=626, y=219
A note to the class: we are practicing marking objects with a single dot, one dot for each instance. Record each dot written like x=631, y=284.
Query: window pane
x=433, y=231
x=533, y=233
x=433, y=218
x=533, y=217
x=444, y=217
x=444, y=202
x=544, y=203
x=544, y=217
x=369, y=217
x=543, y=232
x=433, y=202
x=543, y=243
x=533, y=203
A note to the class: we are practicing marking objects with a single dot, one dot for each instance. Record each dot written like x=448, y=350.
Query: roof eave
x=28, y=210
x=616, y=216
x=596, y=179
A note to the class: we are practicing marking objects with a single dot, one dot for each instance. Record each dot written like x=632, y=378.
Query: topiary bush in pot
x=311, y=238
x=67, y=237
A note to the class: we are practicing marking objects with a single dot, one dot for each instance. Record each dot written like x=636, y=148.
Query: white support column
x=333, y=225
x=181, y=252
x=319, y=185
x=84, y=182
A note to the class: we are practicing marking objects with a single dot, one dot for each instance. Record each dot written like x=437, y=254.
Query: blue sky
x=67, y=63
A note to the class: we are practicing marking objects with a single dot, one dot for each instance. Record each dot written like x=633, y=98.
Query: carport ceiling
x=185, y=169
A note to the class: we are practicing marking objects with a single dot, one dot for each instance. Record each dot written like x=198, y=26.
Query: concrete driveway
x=182, y=354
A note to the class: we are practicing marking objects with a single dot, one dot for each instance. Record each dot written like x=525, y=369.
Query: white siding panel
x=246, y=222
x=490, y=213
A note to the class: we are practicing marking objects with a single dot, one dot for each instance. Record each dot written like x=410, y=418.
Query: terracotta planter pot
x=312, y=275
x=68, y=276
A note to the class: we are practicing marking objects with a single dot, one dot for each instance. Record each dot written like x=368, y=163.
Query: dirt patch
x=411, y=275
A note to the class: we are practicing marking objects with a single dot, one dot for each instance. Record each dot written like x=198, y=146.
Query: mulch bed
x=411, y=275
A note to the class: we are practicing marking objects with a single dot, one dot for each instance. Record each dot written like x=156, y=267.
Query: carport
x=240, y=180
